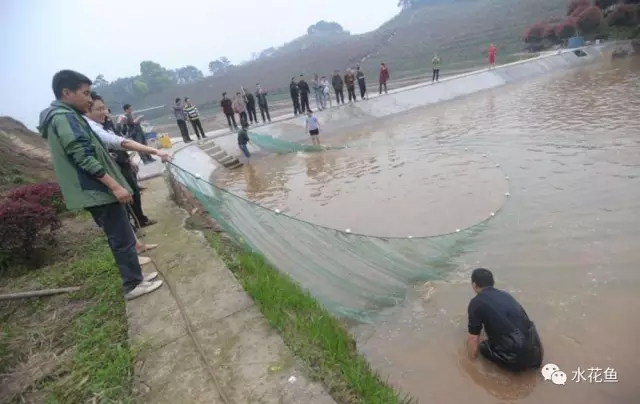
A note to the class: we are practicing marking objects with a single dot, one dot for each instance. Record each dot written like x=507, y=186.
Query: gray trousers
x=319, y=99
x=114, y=220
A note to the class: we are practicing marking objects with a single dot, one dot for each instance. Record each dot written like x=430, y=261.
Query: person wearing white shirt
x=313, y=126
x=98, y=114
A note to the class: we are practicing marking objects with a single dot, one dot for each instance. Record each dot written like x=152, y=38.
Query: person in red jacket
x=384, y=76
x=492, y=56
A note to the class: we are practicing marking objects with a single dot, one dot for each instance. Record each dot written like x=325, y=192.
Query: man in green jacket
x=89, y=178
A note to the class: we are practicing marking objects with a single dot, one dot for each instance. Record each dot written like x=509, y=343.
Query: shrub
x=46, y=194
x=24, y=228
x=590, y=19
x=566, y=29
x=535, y=32
x=576, y=7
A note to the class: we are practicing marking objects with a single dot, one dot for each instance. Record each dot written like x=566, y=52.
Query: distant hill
x=459, y=30
x=24, y=155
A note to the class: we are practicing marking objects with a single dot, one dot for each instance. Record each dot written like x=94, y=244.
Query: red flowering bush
x=24, y=228
x=46, y=194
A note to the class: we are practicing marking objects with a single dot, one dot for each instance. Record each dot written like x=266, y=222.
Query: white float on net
x=348, y=230
x=198, y=175
x=277, y=210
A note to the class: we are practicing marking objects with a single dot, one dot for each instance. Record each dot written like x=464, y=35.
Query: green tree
x=219, y=66
x=155, y=76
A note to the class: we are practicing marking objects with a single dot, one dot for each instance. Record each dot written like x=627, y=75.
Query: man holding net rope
x=89, y=179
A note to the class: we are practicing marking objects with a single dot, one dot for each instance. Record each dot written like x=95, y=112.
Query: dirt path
x=243, y=360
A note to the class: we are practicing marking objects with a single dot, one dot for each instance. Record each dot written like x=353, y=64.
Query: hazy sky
x=40, y=37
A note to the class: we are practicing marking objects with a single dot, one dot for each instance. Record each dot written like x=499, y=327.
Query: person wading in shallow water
x=512, y=340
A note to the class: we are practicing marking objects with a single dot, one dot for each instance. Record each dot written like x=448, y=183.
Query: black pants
x=243, y=118
x=339, y=95
x=252, y=113
x=114, y=221
x=231, y=118
x=139, y=217
x=183, y=130
x=197, y=127
x=352, y=93
x=363, y=88
x=436, y=75
x=138, y=136
x=515, y=352
x=264, y=110
x=304, y=101
x=296, y=105
x=385, y=88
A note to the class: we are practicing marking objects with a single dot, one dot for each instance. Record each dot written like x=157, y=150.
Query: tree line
x=600, y=19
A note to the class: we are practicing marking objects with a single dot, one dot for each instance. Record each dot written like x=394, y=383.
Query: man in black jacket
x=512, y=340
x=293, y=90
x=338, y=87
x=361, y=82
x=261, y=95
x=304, y=94
x=251, y=106
x=227, y=107
x=130, y=128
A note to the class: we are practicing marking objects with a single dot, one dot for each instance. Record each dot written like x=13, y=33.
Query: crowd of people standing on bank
x=300, y=91
x=243, y=103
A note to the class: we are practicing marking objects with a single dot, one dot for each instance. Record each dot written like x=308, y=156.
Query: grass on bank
x=314, y=336
x=69, y=348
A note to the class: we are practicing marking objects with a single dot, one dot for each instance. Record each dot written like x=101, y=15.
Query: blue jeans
x=245, y=150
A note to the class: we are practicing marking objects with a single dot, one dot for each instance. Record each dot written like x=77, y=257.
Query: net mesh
x=275, y=145
x=352, y=275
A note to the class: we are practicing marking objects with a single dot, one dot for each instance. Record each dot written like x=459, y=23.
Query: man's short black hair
x=177, y=100
x=96, y=97
x=483, y=278
x=223, y=94
x=126, y=107
x=68, y=79
x=186, y=99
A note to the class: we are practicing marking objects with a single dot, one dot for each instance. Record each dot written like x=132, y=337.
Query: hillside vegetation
x=24, y=156
x=460, y=30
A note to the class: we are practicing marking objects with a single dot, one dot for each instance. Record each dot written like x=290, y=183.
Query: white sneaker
x=150, y=276
x=142, y=289
x=144, y=260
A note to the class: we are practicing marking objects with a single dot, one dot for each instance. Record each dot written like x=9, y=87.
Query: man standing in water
x=243, y=139
x=293, y=90
x=313, y=126
x=513, y=342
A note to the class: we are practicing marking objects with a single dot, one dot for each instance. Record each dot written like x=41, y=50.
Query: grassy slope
x=68, y=348
x=314, y=336
x=460, y=30
x=22, y=156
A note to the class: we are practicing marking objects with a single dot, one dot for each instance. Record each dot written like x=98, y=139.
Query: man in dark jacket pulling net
x=512, y=339
x=88, y=177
